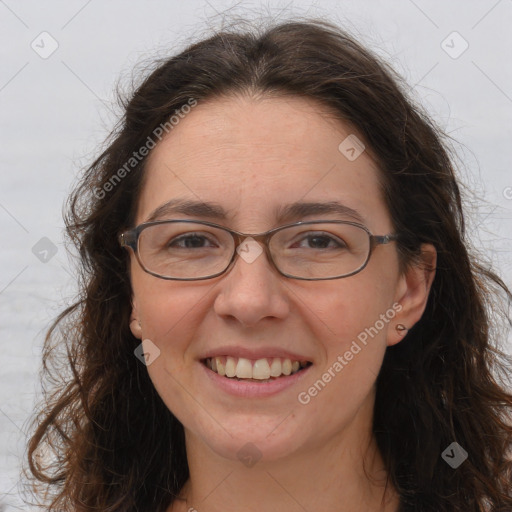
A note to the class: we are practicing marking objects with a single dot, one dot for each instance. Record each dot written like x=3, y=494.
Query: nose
x=252, y=289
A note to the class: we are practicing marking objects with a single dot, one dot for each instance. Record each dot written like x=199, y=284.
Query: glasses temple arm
x=128, y=239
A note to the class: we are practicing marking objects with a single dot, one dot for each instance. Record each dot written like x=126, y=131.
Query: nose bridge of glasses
x=257, y=244
x=261, y=238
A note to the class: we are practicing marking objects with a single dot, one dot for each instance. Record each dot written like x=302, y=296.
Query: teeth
x=275, y=367
x=221, y=369
x=244, y=369
x=262, y=369
x=230, y=367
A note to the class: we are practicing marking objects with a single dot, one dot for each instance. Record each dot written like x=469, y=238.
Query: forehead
x=252, y=156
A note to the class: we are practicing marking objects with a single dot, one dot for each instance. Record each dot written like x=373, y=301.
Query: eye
x=191, y=241
x=321, y=240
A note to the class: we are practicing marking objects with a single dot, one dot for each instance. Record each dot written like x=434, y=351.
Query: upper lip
x=248, y=353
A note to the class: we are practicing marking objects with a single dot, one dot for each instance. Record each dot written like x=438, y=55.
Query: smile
x=262, y=370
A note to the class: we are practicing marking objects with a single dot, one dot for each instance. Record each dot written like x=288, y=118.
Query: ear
x=412, y=293
x=135, y=325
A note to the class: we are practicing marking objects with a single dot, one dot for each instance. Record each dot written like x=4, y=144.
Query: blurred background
x=61, y=62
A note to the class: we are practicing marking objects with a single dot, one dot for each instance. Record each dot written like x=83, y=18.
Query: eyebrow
x=285, y=213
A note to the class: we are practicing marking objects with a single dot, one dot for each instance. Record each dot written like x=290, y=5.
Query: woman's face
x=253, y=157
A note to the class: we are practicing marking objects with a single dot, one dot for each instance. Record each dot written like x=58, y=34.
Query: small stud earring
x=135, y=324
x=401, y=328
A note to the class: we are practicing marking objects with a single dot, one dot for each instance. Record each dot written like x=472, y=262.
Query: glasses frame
x=130, y=238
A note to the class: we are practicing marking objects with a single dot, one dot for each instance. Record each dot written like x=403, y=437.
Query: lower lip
x=251, y=389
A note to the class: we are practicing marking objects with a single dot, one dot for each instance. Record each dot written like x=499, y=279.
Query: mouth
x=254, y=370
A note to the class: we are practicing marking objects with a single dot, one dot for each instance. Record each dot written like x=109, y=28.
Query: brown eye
x=190, y=241
x=320, y=241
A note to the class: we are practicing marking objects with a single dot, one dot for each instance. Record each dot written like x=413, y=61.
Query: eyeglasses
x=189, y=250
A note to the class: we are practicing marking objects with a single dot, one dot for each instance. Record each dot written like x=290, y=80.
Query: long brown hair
x=113, y=444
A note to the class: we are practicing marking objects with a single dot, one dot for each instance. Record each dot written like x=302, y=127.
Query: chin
x=250, y=440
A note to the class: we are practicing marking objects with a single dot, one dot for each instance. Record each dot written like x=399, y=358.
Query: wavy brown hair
x=113, y=444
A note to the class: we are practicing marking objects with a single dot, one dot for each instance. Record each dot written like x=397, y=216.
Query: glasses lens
x=320, y=250
x=185, y=250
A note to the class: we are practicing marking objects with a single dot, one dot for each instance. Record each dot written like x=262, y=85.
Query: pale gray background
x=55, y=112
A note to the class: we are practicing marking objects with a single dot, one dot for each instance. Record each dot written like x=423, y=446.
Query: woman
x=279, y=311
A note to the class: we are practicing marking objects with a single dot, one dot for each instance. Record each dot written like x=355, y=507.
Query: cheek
x=168, y=310
x=351, y=325
x=351, y=319
x=352, y=306
x=170, y=315
x=157, y=300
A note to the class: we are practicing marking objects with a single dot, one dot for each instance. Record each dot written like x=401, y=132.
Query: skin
x=251, y=155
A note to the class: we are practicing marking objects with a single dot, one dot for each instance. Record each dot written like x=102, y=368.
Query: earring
x=401, y=328
x=136, y=327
